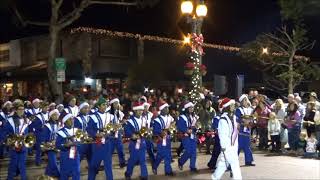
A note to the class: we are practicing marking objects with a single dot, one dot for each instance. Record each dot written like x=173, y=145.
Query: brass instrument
x=18, y=141
x=49, y=146
x=108, y=129
x=145, y=132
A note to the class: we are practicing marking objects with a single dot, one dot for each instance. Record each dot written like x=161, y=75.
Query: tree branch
x=37, y=23
x=287, y=35
x=74, y=15
x=277, y=39
x=115, y=3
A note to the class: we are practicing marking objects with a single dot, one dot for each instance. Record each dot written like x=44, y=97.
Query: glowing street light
x=201, y=10
x=186, y=7
x=186, y=40
x=265, y=50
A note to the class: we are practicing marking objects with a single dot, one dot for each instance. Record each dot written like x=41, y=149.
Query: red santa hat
x=143, y=98
x=226, y=102
x=162, y=105
x=137, y=106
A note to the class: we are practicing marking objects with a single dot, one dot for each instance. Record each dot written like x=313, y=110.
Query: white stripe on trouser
x=232, y=159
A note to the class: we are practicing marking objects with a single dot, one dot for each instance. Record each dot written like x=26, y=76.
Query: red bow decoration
x=197, y=42
x=189, y=65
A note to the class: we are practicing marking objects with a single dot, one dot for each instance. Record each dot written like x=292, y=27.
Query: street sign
x=61, y=76
x=60, y=64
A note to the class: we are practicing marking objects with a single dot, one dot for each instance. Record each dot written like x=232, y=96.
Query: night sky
x=229, y=22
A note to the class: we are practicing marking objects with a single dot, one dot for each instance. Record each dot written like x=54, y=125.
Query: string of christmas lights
x=162, y=39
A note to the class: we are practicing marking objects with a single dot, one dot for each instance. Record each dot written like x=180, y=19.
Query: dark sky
x=229, y=22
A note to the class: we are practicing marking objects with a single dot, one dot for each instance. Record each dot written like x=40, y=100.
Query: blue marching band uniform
x=244, y=139
x=81, y=122
x=101, y=149
x=49, y=134
x=36, y=127
x=137, y=146
x=147, y=122
x=17, y=154
x=185, y=126
x=160, y=126
x=116, y=117
x=69, y=155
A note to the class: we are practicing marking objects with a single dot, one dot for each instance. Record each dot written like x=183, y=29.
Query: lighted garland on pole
x=195, y=55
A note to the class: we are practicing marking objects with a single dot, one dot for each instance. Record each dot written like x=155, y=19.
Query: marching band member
x=186, y=127
x=5, y=113
x=116, y=118
x=69, y=154
x=71, y=107
x=52, y=106
x=34, y=110
x=60, y=108
x=81, y=122
x=36, y=127
x=146, y=118
x=137, y=145
x=101, y=150
x=245, y=129
x=160, y=129
x=48, y=134
x=217, y=147
x=228, y=134
x=16, y=125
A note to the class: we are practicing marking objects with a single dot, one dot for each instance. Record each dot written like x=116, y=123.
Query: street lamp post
x=195, y=19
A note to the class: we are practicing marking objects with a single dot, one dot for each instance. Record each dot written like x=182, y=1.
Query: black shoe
x=250, y=164
x=154, y=171
x=208, y=152
x=194, y=170
x=101, y=168
x=123, y=165
x=144, y=178
x=172, y=161
x=170, y=174
x=180, y=166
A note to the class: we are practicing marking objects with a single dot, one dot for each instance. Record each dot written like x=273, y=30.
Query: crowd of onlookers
x=290, y=127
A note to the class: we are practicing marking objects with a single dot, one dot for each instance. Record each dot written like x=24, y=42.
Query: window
x=114, y=48
x=4, y=53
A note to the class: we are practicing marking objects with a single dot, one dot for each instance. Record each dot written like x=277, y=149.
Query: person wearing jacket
x=228, y=134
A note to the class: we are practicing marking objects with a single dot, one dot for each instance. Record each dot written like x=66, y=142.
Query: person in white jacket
x=274, y=130
x=228, y=134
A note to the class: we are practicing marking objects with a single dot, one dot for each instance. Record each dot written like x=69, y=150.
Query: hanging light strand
x=118, y=34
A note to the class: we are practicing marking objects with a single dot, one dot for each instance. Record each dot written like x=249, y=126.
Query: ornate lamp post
x=196, y=41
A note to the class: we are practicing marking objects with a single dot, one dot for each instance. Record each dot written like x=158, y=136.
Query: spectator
x=262, y=112
x=311, y=147
x=278, y=108
x=314, y=98
x=274, y=130
x=293, y=123
x=308, y=120
x=301, y=107
x=302, y=143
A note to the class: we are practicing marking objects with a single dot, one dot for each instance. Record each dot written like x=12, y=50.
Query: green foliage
x=292, y=10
